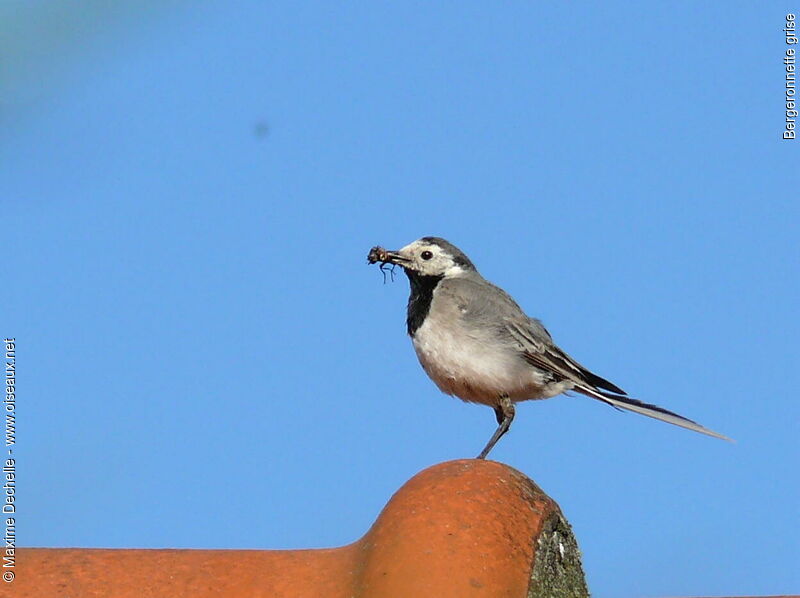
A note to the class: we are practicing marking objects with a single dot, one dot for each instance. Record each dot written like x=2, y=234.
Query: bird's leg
x=505, y=415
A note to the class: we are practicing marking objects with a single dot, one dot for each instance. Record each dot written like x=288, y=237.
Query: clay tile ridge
x=458, y=529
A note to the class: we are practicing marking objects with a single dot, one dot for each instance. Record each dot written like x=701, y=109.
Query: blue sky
x=205, y=360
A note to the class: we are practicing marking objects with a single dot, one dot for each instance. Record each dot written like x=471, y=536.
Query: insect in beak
x=389, y=260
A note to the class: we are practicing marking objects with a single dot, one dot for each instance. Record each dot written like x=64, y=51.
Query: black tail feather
x=654, y=411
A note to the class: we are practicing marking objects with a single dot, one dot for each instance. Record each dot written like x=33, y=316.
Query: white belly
x=475, y=368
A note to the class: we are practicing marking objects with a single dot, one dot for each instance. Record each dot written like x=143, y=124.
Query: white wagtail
x=476, y=343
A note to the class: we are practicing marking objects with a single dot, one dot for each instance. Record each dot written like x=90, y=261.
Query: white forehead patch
x=414, y=247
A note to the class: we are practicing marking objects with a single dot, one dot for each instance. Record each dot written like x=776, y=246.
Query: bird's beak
x=395, y=257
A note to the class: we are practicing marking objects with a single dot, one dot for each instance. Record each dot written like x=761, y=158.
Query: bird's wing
x=539, y=350
x=491, y=306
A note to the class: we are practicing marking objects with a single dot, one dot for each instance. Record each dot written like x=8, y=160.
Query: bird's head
x=428, y=256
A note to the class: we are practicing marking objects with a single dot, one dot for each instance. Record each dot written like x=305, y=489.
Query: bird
x=476, y=343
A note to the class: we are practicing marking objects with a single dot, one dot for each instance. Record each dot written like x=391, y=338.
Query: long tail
x=647, y=409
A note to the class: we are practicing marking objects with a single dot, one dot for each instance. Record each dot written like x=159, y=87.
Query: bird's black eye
x=426, y=255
